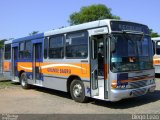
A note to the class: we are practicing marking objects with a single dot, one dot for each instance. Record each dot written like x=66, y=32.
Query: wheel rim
x=23, y=81
x=77, y=90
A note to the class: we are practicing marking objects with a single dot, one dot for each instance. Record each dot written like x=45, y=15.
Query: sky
x=18, y=18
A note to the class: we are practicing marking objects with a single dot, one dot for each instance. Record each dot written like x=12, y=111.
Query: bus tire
x=23, y=80
x=77, y=91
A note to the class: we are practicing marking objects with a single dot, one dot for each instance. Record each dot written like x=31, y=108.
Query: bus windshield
x=131, y=52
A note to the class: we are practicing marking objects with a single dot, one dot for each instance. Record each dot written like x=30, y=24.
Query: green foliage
x=154, y=34
x=6, y=83
x=2, y=43
x=91, y=13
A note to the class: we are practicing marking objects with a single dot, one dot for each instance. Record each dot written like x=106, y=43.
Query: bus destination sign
x=128, y=26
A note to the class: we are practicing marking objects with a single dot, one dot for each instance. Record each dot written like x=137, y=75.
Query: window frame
x=24, y=50
x=9, y=51
x=86, y=36
x=157, y=47
x=63, y=46
x=47, y=48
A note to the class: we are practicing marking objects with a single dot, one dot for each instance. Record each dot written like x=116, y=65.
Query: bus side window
x=21, y=50
x=45, y=48
x=153, y=44
x=7, y=54
x=56, y=47
x=77, y=45
x=158, y=48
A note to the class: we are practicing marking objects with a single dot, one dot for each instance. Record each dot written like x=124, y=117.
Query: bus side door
x=36, y=63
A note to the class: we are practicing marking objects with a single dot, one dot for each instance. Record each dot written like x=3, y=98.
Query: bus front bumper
x=117, y=94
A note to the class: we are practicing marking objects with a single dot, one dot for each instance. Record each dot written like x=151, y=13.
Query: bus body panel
x=139, y=83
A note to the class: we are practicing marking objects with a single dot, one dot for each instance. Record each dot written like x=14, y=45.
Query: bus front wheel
x=23, y=80
x=77, y=91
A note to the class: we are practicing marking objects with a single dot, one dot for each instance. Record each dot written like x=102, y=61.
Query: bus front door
x=99, y=67
x=14, y=63
x=37, y=58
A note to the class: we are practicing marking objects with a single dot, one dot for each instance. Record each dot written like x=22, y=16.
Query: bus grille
x=139, y=92
x=138, y=84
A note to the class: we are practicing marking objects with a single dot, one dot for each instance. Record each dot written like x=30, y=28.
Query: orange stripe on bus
x=58, y=69
x=156, y=61
x=7, y=66
x=106, y=72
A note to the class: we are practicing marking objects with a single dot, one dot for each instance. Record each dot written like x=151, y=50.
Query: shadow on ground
x=52, y=92
x=157, y=75
x=131, y=102
x=123, y=104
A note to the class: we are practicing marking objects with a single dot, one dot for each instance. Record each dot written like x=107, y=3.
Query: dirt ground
x=15, y=100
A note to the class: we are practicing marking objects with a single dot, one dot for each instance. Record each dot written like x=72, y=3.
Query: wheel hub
x=77, y=90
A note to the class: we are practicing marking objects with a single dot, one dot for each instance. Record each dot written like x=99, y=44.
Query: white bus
x=105, y=59
x=156, y=51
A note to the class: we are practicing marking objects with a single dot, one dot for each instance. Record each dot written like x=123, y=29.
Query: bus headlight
x=122, y=86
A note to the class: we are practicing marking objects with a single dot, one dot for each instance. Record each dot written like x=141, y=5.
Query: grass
x=6, y=83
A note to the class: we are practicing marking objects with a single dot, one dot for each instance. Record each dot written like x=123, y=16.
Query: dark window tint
x=45, y=47
x=25, y=50
x=28, y=49
x=38, y=51
x=77, y=45
x=56, y=47
x=21, y=50
x=158, y=48
x=153, y=44
x=7, y=54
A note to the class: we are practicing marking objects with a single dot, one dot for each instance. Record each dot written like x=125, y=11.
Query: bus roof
x=36, y=36
x=8, y=42
x=83, y=26
x=89, y=25
x=156, y=38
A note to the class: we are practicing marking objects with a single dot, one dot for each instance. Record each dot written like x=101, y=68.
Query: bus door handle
x=84, y=61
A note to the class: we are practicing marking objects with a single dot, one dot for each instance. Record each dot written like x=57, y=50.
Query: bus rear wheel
x=77, y=91
x=23, y=80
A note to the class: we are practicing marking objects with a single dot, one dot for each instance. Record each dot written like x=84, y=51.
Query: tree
x=91, y=13
x=154, y=34
x=2, y=43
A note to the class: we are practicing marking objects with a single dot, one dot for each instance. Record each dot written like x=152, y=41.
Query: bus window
x=153, y=44
x=56, y=47
x=21, y=50
x=28, y=49
x=45, y=48
x=77, y=45
x=25, y=50
x=158, y=48
x=7, y=54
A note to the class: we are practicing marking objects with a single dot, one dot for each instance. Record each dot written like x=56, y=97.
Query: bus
x=106, y=59
x=7, y=72
x=156, y=57
x=1, y=62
